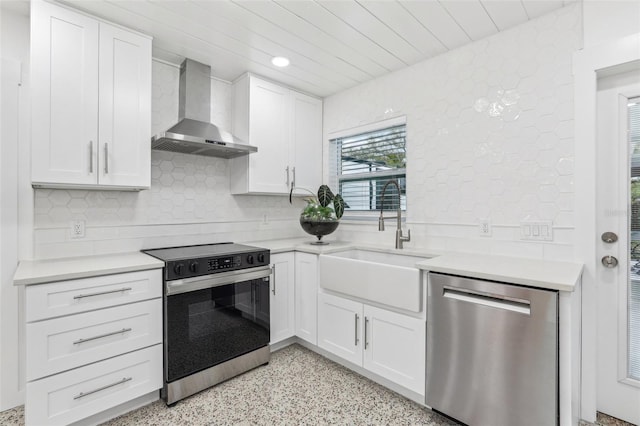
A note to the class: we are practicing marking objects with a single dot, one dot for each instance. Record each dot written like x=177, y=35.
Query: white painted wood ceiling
x=332, y=44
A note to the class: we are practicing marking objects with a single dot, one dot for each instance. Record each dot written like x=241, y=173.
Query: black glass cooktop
x=200, y=251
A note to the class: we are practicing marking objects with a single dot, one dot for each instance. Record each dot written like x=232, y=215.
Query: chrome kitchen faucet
x=399, y=237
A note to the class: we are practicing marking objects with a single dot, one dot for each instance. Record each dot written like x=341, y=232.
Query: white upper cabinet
x=91, y=102
x=286, y=127
x=306, y=141
x=124, y=108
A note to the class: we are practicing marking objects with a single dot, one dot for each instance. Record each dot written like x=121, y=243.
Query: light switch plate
x=541, y=230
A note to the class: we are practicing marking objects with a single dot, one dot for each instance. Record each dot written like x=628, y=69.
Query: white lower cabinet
x=91, y=344
x=306, y=296
x=389, y=344
x=282, y=306
x=82, y=392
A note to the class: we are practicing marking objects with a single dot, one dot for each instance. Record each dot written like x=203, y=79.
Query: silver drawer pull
x=113, y=333
x=119, y=382
x=82, y=296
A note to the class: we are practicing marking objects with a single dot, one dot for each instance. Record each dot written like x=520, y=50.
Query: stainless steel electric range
x=216, y=314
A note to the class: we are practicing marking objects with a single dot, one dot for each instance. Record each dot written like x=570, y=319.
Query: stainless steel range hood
x=194, y=134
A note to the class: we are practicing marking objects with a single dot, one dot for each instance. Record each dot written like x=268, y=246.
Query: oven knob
x=193, y=266
x=261, y=257
x=178, y=269
x=250, y=259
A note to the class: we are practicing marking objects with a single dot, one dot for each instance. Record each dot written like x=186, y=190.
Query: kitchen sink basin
x=388, y=278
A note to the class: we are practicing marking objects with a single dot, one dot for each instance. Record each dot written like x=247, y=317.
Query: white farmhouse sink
x=388, y=278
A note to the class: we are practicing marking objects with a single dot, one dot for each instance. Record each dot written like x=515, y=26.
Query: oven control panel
x=188, y=268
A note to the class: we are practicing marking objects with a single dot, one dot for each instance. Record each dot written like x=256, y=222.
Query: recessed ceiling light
x=280, y=61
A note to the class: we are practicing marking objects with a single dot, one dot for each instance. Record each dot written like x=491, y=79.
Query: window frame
x=334, y=176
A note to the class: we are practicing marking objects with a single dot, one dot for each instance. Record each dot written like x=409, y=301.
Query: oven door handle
x=216, y=280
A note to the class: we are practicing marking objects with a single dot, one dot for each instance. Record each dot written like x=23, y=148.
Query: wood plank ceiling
x=332, y=44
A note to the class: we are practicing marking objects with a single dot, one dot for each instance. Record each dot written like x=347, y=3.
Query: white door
x=618, y=209
x=269, y=117
x=306, y=296
x=125, y=108
x=282, y=303
x=64, y=95
x=340, y=327
x=306, y=147
x=394, y=347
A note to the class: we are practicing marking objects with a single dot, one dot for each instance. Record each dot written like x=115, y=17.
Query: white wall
x=608, y=21
x=14, y=52
x=489, y=136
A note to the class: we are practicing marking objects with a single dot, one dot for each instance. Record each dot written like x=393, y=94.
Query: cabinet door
x=340, y=327
x=269, y=131
x=64, y=96
x=306, y=139
x=306, y=296
x=394, y=347
x=282, y=324
x=125, y=108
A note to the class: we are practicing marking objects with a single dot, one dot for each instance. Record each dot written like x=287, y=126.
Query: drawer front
x=71, y=297
x=64, y=343
x=83, y=392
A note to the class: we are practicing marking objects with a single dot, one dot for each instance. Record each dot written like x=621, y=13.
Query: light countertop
x=539, y=273
x=49, y=270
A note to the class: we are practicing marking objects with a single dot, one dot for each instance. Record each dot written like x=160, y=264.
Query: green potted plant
x=322, y=213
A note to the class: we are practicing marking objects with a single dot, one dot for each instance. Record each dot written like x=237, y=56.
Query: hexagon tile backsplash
x=489, y=136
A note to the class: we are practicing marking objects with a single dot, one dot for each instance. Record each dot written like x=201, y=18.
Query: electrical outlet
x=264, y=223
x=484, y=227
x=77, y=229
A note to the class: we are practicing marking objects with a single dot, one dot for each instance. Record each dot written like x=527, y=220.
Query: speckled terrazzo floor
x=298, y=387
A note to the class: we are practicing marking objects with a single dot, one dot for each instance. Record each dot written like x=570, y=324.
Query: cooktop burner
x=192, y=261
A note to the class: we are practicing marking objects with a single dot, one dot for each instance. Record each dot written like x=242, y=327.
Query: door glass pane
x=634, y=276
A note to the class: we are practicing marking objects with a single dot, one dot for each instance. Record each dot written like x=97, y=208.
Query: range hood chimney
x=194, y=134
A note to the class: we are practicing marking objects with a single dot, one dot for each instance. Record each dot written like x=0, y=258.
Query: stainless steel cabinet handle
x=293, y=182
x=119, y=382
x=120, y=290
x=357, y=318
x=366, y=325
x=113, y=333
x=507, y=304
x=287, y=170
x=273, y=269
x=90, y=156
x=106, y=158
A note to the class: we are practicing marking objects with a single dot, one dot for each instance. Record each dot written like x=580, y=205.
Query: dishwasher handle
x=490, y=300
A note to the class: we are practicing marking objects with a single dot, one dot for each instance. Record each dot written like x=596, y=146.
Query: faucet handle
x=407, y=237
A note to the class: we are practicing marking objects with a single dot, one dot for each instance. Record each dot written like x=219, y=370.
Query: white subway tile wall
x=489, y=136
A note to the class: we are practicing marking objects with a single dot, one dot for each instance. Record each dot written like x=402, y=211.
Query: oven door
x=212, y=319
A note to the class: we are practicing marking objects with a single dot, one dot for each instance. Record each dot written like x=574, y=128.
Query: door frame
x=587, y=65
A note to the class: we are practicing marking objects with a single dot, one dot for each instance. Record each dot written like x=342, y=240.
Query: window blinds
x=365, y=162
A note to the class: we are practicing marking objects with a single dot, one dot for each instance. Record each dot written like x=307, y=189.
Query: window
x=366, y=161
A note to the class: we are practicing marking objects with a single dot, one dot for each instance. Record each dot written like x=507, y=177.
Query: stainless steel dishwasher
x=492, y=352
